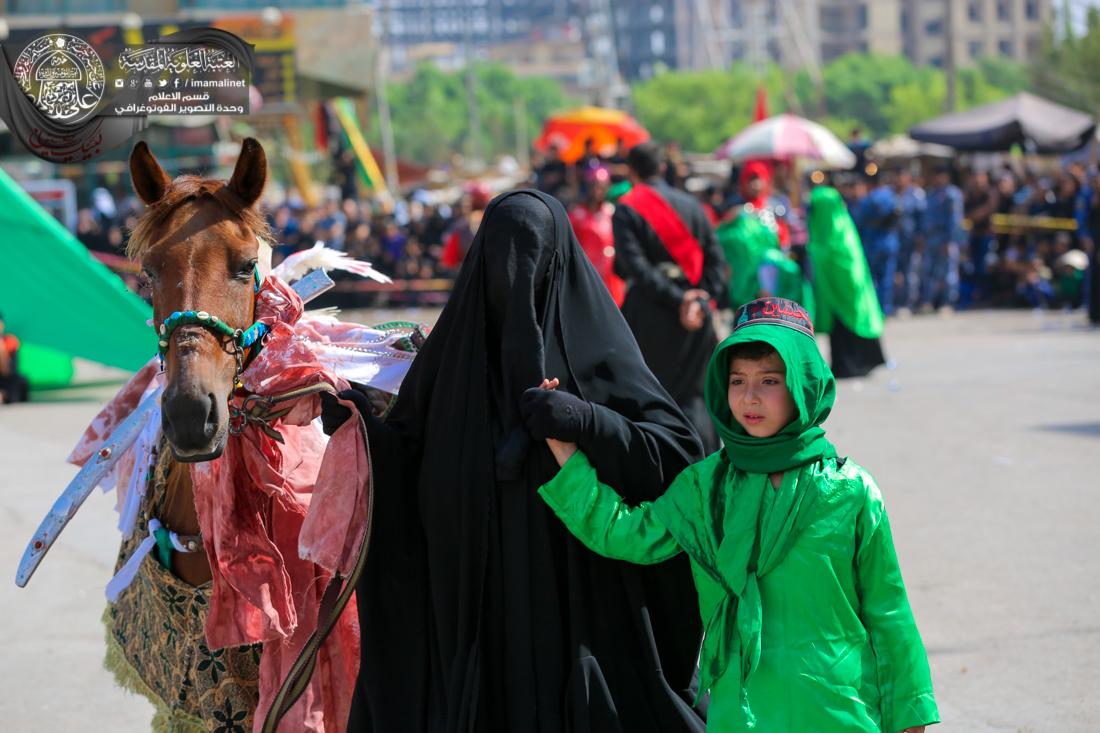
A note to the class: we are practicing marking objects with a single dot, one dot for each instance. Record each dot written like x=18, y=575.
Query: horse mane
x=188, y=188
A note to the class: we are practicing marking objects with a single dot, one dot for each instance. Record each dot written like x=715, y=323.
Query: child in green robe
x=808, y=627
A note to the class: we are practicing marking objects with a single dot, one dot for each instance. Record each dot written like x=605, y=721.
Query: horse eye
x=246, y=269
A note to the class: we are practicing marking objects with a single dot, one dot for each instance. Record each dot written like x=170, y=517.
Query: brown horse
x=198, y=244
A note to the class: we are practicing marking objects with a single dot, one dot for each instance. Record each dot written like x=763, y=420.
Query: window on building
x=833, y=20
x=1031, y=10
x=905, y=21
x=657, y=43
x=936, y=61
x=1003, y=10
x=1005, y=48
x=934, y=27
x=656, y=13
x=976, y=49
x=861, y=17
x=974, y=11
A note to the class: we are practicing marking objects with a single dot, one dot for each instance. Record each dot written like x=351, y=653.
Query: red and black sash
x=674, y=235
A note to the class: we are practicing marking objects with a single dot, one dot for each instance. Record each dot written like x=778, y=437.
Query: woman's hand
x=550, y=414
x=561, y=449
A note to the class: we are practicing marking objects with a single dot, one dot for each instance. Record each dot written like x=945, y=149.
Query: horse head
x=199, y=247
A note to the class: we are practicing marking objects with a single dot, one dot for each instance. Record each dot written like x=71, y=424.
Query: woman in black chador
x=479, y=611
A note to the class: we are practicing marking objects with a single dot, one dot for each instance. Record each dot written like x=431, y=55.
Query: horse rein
x=241, y=339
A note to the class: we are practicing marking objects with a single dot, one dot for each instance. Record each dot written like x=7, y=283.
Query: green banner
x=53, y=293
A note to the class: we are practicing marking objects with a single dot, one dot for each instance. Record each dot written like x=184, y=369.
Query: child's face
x=758, y=395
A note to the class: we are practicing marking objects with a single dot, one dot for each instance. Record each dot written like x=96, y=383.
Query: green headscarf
x=843, y=288
x=809, y=380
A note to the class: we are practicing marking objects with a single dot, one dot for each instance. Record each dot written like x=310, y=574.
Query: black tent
x=1035, y=123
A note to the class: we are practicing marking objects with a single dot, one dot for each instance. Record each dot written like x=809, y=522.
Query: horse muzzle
x=195, y=424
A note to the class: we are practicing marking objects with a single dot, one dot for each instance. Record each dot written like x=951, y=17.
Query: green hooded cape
x=807, y=624
x=842, y=280
x=748, y=244
x=745, y=241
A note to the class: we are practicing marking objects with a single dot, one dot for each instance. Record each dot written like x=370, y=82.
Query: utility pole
x=473, y=148
x=949, y=52
x=608, y=89
x=756, y=45
x=523, y=154
x=382, y=62
x=808, y=54
x=704, y=21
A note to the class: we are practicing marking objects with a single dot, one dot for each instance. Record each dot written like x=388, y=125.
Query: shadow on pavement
x=1086, y=428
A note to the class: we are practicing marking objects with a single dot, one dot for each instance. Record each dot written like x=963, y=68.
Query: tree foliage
x=430, y=112
x=1065, y=68
x=701, y=109
x=881, y=94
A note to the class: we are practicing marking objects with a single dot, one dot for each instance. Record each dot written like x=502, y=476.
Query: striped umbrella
x=788, y=137
x=568, y=130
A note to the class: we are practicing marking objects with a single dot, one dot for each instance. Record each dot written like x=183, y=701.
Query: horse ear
x=250, y=173
x=150, y=180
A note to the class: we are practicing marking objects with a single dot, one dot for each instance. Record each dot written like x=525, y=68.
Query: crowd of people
x=934, y=239
x=1003, y=238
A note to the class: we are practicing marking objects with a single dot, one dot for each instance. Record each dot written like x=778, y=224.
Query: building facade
x=635, y=39
x=980, y=28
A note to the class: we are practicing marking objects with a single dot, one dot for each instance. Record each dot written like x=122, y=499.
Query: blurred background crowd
x=944, y=234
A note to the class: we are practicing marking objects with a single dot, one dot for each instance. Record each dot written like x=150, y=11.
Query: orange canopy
x=568, y=130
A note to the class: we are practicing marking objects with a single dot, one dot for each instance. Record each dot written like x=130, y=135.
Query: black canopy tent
x=1037, y=124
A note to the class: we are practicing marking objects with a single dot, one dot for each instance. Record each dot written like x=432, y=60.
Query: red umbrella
x=604, y=127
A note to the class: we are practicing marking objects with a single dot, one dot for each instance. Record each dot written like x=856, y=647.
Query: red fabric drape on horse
x=670, y=229
x=277, y=520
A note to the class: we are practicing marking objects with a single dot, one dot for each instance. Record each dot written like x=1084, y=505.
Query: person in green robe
x=758, y=265
x=844, y=295
x=807, y=623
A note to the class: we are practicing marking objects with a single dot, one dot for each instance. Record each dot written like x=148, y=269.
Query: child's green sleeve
x=905, y=682
x=599, y=517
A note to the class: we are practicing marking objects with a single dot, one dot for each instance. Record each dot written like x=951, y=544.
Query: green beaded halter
x=240, y=338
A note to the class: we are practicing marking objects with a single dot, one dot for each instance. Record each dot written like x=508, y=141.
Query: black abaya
x=479, y=611
x=852, y=355
x=655, y=288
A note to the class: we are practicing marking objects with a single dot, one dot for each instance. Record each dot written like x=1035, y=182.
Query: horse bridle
x=241, y=339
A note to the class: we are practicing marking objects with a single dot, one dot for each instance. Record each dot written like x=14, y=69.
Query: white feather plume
x=300, y=264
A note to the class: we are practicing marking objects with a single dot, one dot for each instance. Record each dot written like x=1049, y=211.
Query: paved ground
x=985, y=439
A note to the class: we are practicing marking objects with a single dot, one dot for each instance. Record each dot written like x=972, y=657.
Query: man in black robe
x=668, y=254
x=479, y=611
